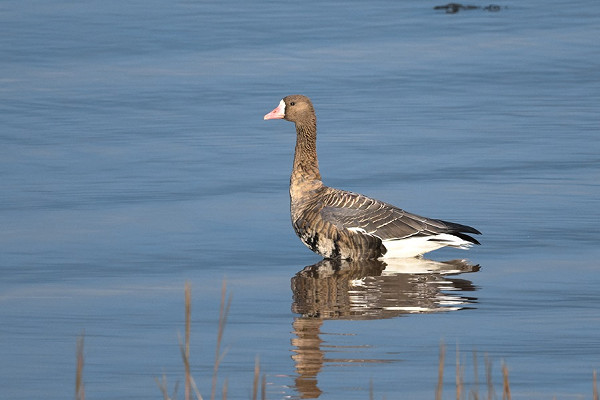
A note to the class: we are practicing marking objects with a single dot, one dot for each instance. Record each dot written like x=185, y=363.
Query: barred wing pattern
x=362, y=214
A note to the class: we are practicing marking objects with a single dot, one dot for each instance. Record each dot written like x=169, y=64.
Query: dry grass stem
x=505, y=383
x=188, y=376
x=488, y=377
x=190, y=384
x=595, y=385
x=188, y=327
x=79, y=386
x=459, y=376
x=225, y=387
x=223, y=313
x=440, y=384
x=163, y=387
x=256, y=379
x=475, y=390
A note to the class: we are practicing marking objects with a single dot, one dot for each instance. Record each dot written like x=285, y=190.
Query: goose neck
x=306, y=164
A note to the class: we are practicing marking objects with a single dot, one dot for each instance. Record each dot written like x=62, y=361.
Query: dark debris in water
x=453, y=8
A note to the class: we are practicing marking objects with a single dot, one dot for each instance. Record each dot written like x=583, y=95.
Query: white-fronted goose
x=339, y=224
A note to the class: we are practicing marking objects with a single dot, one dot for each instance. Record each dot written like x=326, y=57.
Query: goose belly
x=320, y=244
x=331, y=242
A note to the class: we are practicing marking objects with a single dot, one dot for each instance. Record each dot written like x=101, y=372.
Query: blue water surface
x=134, y=158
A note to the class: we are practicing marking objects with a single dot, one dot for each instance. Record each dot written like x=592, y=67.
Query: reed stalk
x=475, y=390
x=188, y=329
x=223, y=313
x=595, y=385
x=459, y=376
x=505, y=383
x=184, y=347
x=163, y=387
x=488, y=377
x=440, y=384
x=79, y=385
x=256, y=379
x=225, y=388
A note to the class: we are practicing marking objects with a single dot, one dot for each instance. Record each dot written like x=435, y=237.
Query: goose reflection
x=362, y=290
x=373, y=289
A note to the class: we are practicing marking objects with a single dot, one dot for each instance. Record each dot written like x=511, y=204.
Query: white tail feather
x=415, y=246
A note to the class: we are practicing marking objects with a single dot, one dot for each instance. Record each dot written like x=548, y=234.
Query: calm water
x=134, y=158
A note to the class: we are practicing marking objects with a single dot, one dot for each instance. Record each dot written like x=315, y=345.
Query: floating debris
x=453, y=8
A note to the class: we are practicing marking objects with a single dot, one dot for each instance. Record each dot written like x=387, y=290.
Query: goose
x=339, y=224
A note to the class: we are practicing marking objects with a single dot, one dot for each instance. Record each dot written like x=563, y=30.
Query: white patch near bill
x=282, y=106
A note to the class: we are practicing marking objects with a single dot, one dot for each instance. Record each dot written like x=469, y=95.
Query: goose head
x=295, y=108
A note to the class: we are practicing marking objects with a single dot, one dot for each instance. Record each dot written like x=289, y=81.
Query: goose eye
x=292, y=103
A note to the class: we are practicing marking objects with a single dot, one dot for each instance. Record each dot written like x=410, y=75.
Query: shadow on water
x=367, y=290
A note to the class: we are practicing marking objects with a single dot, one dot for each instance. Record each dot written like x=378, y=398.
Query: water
x=134, y=158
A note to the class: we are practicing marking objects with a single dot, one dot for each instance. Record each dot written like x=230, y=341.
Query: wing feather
x=348, y=210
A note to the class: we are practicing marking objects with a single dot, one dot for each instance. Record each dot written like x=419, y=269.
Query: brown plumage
x=339, y=224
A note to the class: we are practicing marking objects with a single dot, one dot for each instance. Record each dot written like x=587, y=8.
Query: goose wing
x=360, y=213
